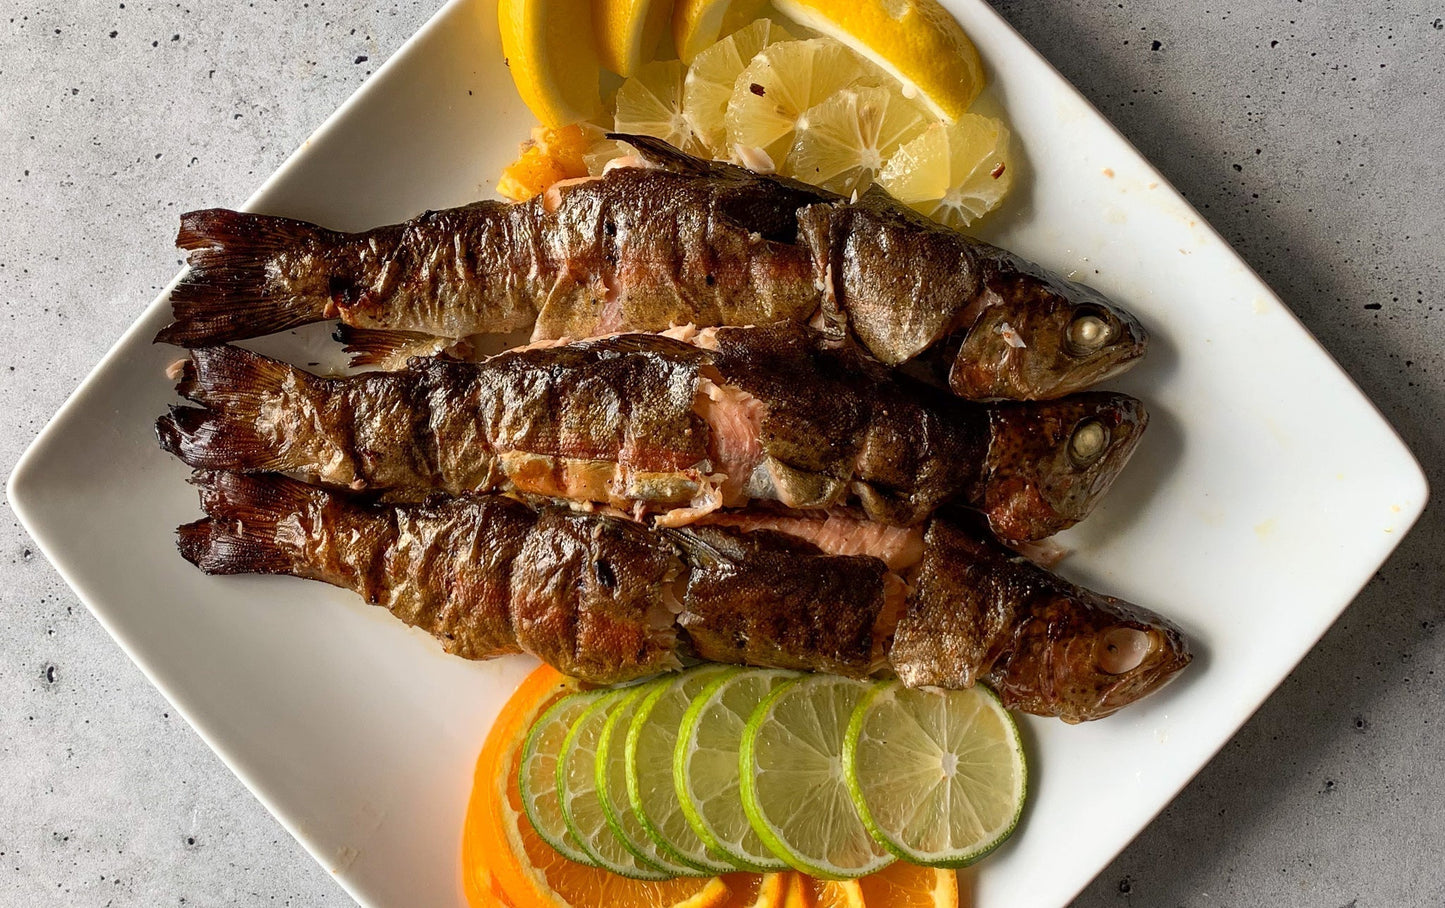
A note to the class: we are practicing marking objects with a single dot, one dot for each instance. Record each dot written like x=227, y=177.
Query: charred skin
x=608, y=600
x=620, y=421
x=675, y=241
x=767, y=598
x=486, y=576
x=981, y=613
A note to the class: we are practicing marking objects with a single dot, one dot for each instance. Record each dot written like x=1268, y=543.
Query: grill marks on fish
x=627, y=420
x=642, y=248
x=486, y=576
x=608, y=600
x=659, y=424
x=1046, y=646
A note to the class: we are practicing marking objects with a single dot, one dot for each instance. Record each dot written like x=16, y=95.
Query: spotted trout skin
x=609, y=600
x=662, y=426
x=671, y=240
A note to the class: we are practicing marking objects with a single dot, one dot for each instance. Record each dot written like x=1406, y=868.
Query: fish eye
x=1087, y=333
x=1122, y=649
x=1088, y=442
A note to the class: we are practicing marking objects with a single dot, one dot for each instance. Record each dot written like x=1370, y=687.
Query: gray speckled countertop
x=1311, y=136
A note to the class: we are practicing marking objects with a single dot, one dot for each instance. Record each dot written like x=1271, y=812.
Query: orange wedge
x=505, y=859
x=803, y=891
x=549, y=156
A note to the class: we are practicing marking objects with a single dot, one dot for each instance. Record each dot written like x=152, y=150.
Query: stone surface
x=1309, y=134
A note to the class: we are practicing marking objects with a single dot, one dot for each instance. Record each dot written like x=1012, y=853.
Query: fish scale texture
x=1301, y=131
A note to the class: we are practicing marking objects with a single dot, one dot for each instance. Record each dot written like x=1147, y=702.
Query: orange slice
x=488, y=869
x=505, y=859
x=803, y=891
x=757, y=890
x=904, y=885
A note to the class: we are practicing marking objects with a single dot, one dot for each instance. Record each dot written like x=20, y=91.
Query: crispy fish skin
x=981, y=613
x=676, y=240
x=485, y=576
x=608, y=600
x=589, y=420
x=619, y=421
x=768, y=598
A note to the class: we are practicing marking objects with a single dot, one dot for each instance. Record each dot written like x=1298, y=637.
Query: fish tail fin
x=391, y=349
x=232, y=291
x=239, y=533
x=233, y=386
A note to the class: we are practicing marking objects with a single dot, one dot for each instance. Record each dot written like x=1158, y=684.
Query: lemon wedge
x=915, y=41
x=548, y=47
x=774, y=90
x=699, y=24
x=953, y=173
x=650, y=103
x=842, y=143
x=628, y=32
x=712, y=75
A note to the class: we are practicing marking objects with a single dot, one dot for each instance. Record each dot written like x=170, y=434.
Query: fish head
x=1083, y=656
x=1049, y=462
x=1039, y=338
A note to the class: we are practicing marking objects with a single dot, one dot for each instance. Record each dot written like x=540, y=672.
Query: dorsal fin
x=660, y=154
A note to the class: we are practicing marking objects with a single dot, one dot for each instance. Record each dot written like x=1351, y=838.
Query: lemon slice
x=915, y=41
x=712, y=75
x=548, y=48
x=939, y=777
x=698, y=24
x=842, y=143
x=650, y=104
x=955, y=173
x=781, y=82
x=628, y=32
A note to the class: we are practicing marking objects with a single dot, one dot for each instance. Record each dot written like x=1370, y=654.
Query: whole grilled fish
x=674, y=240
x=656, y=423
x=608, y=600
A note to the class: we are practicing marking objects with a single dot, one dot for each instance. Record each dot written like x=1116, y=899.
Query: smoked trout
x=607, y=599
x=669, y=240
x=675, y=425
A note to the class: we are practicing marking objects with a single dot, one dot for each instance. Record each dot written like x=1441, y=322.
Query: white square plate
x=1265, y=494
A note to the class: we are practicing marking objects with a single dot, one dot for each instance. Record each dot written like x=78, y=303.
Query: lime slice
x=938, y=777
x=537, y=777
x=611, y=772
x=705, y=767
x=582, y=802
x=794, y=788
x=651, y=743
